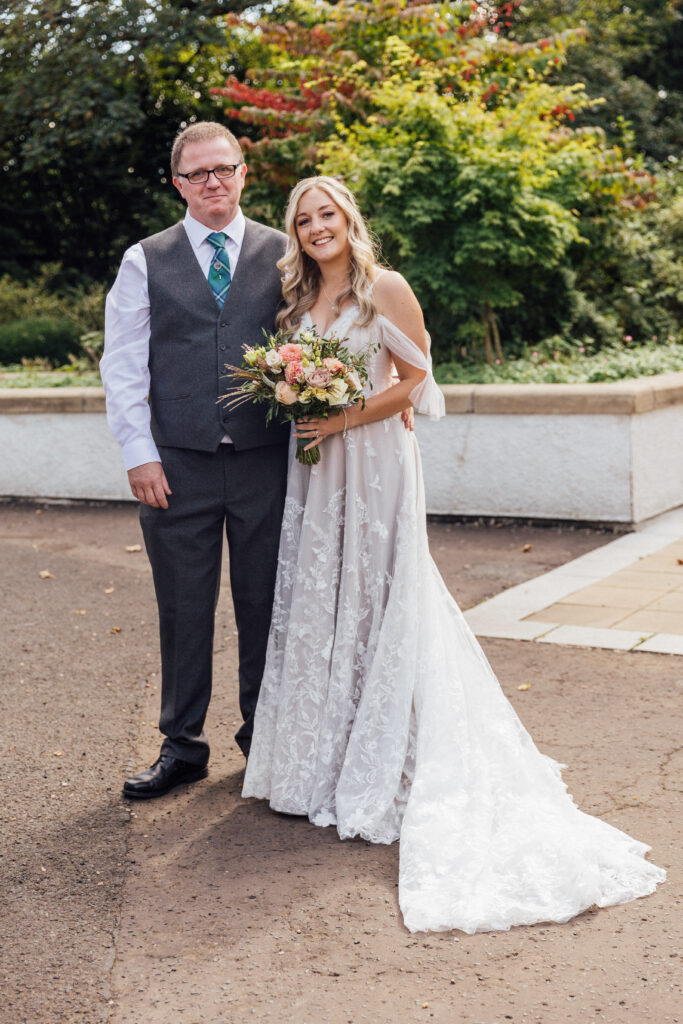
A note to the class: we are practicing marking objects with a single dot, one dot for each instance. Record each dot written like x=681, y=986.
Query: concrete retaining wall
x=594, y=452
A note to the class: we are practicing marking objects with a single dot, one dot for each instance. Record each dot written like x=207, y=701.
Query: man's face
x=213, y=202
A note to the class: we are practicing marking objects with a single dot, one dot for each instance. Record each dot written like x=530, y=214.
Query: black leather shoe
x=166, y=773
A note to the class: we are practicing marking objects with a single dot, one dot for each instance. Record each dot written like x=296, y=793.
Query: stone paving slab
x=624, y=595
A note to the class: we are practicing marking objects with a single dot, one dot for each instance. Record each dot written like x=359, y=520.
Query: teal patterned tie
x=219, y=274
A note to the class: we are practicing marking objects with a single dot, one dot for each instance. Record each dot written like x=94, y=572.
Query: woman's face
x=321, y=227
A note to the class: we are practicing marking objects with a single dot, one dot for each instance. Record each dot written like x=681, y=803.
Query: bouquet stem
x=309, y=458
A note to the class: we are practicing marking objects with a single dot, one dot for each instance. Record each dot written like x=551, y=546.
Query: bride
x=378, y=711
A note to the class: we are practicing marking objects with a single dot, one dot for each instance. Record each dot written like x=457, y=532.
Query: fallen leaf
x=80, y=611
x=528, y=547
x=109, y=590
x=45, y=575
x=115, y=629
x=130, y=548
x=524, y=686
x=39, y=511
x=42, y=868
x=58, y=753
x=680, y=561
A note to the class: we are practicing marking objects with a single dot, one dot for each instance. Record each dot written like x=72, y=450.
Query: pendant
x=335, y=308
x=218, y=266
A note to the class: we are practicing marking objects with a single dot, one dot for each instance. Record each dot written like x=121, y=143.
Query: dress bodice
x=361, y=339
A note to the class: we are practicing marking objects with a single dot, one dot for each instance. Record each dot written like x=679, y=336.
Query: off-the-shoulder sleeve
x=426, y=398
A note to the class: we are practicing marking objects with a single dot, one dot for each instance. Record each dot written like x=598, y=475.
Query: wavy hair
x=301, y=273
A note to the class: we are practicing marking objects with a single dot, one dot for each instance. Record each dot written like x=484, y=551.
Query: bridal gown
x=380, y=714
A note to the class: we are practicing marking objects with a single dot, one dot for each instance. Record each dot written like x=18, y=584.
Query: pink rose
x=334, y=365
x=286, y=395
x=319, y=379
x=294, y=372
x=290, y=353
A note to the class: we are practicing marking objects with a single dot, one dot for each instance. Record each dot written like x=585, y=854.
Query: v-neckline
x=340, y=316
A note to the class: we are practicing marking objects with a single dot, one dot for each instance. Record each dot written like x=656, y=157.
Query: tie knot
x=218, y=239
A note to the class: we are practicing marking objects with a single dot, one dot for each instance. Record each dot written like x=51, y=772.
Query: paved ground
x=203, y=908
x=625, y=595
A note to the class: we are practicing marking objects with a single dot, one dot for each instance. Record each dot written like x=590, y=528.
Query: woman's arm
x=394, y=299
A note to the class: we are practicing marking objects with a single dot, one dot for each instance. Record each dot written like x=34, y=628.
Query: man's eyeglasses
x=222, y=172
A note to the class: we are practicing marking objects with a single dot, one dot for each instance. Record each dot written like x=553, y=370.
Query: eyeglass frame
x=204, y=170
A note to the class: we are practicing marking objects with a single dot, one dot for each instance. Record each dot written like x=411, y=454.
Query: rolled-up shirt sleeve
x=125, y=364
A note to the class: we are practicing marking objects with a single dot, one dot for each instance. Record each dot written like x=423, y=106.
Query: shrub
x=48, y=338
x=565, y=365
x=41, y=297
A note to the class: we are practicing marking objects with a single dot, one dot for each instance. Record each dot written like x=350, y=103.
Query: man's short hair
x=200, y=132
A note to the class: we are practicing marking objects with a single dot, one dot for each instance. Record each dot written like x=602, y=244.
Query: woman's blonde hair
x=301, y=274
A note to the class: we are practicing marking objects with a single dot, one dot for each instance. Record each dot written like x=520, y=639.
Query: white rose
x=273, y=358
x=353, y=380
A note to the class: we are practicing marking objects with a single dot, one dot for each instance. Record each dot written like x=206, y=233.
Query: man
x=184, y=304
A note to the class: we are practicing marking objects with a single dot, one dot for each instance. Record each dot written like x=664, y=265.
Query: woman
x=378, y=711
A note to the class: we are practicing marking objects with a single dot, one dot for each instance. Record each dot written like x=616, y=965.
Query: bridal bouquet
x=311, y=376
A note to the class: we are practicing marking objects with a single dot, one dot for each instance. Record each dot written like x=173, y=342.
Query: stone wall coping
x=624, y=398
x=51, y=400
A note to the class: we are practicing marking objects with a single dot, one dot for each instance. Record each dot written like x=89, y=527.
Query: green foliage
x=46, y=338
x=38, y=374
x=41, y=297
x=92, y=94
x=462, y=151
x=470, y=202
x=568, y=367
x=631, y=55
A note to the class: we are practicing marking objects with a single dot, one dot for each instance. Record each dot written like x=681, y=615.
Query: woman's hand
x=316, y=429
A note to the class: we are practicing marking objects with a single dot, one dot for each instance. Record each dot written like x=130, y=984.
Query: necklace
x=334, y=306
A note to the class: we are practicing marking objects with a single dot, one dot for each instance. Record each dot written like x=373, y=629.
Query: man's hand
x=149, y=484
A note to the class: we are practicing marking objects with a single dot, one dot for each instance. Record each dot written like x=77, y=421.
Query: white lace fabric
x=380, y=714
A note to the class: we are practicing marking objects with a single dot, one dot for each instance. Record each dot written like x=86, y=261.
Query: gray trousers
x=244, y=493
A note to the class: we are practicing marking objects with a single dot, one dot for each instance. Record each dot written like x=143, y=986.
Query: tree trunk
x=491, y=335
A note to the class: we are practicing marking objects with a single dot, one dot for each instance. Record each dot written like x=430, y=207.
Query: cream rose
x=286, y=395
x=337, y=393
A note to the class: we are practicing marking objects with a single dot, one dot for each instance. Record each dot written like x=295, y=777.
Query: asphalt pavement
x=201, y=907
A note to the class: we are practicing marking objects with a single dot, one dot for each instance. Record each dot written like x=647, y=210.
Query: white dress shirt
x=124, y=366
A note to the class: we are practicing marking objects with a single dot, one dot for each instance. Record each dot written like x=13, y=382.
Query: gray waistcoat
x=192, y=339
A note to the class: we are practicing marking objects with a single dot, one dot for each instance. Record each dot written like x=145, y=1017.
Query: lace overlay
x=380, y=714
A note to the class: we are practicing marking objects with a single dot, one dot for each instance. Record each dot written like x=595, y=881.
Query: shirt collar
x=198, y=232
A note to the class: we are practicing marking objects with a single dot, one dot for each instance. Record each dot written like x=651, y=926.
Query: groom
x=184, y=303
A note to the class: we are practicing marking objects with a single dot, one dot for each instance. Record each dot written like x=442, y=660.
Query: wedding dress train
x=380, y=714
